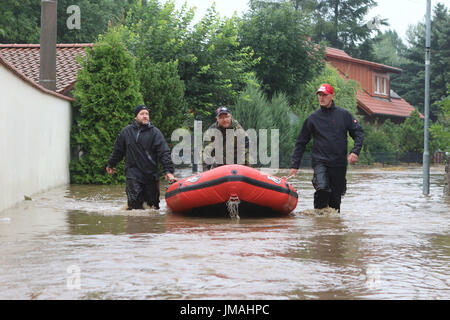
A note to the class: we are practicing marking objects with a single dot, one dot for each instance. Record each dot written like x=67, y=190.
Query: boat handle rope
x=233, y=206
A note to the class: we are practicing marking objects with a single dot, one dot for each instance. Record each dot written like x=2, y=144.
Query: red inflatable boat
x=234, y=189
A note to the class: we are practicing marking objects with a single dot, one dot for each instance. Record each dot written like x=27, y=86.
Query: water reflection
x=389, y=242
x=81, y=223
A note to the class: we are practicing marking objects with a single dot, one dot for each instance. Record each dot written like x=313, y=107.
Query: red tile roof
x=342, y=55
x=378, y=106
x=396, y=107
x=17, y=72
x=26, y=60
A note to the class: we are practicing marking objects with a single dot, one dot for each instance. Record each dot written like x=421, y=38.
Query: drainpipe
x=47, y=72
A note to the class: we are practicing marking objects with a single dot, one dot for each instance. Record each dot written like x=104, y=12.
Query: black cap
x=139, y=108
x=221, y=110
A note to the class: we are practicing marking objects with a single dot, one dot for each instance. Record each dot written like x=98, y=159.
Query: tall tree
x=411, y=134
x=255, y=111
x=157, y=31
x=280, y=38
x=389, y=49
x=94, y=17
x=411, y=83
x=154, y=33
x=341, y=23
x=163, y=93
x=215, y=68
x=212, y=65
x=20, y=21
x=106, y=92
x=440, y=131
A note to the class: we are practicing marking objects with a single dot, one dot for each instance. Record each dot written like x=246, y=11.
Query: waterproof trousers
x=330, y=184
x=138, y=193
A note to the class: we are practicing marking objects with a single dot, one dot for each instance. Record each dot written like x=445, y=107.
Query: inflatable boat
x=234, y=190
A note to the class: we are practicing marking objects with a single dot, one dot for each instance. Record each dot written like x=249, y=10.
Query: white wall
x=34, y=139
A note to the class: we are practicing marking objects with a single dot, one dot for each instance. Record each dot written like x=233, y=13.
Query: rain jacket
x=329, y=127
x=143, y=147
x=235, y=125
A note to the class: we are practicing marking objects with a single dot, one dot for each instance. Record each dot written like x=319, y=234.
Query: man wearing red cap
x=329, y=127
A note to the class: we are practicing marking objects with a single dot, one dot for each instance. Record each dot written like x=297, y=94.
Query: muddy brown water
x=77, y=242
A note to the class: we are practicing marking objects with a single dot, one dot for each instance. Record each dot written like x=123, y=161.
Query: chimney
x=47, y=73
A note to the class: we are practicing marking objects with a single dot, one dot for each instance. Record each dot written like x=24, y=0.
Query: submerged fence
x=391, y=158
x=383, y=158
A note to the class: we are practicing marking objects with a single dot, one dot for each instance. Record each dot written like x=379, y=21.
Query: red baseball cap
x=325, y=88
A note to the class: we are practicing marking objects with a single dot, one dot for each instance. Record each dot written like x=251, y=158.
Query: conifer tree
x=107, y=90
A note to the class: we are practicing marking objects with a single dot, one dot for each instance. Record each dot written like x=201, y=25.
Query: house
x=35, y=122
x=25, y=58
x=375, y=99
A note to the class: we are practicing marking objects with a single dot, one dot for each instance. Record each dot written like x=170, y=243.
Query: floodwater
x=77, y=242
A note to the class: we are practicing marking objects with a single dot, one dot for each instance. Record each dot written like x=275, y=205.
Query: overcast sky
x=400, y=13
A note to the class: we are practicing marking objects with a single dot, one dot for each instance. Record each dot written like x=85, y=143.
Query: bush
x=344, y=92
x=107, y=90
x=254, y=111
x=163, y=93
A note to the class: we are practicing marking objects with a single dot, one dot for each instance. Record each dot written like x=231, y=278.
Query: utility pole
x=426, y=152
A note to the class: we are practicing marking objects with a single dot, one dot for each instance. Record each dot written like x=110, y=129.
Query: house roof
x=22, y=76
x=377, y=106
x=342, y=55
x=25, y=60
x=394, y=106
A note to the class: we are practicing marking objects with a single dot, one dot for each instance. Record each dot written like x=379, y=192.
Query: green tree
x=210, y=62
x=157, y=31
x=20, y=21
x=381, y=138
x=411, y=134
x=215, y=68
x=106, y=92
x=411, y=82
x=389, y=49
x=254, y=111
x=154, y=33
x=279, y=37
x=163, y=93
x=341, y=24
x=251, y=107
x=440, y=131
x=345, y=92
x=94, y=16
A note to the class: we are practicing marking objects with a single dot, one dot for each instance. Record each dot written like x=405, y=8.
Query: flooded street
x=77, y=242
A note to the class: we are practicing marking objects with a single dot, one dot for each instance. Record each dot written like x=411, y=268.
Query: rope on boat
x=233, y=207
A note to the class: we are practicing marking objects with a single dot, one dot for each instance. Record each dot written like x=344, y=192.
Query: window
x=381, y=85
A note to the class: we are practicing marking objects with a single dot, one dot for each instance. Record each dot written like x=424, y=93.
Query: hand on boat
x=291, y=174
x=171, y=178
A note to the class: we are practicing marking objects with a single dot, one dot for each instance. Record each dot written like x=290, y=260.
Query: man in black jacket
x=328, y=126
x=142, y=145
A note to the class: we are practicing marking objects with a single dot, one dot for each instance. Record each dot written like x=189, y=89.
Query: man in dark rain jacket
x=328, y=126
x=142, y=145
